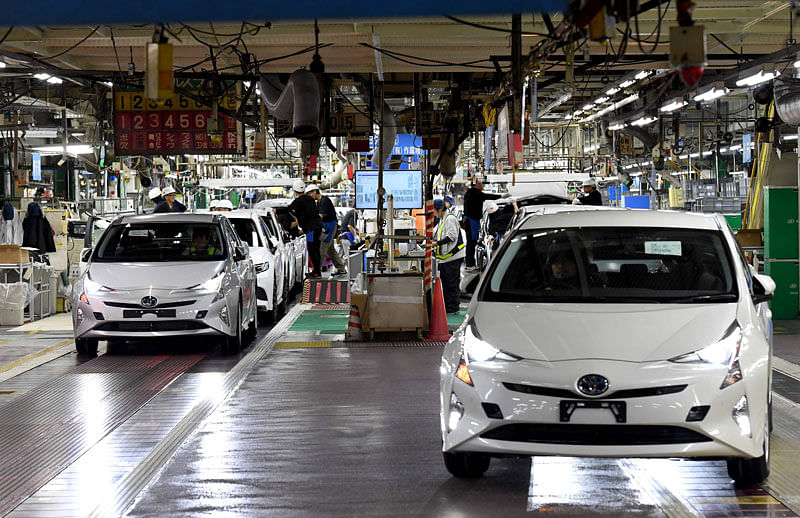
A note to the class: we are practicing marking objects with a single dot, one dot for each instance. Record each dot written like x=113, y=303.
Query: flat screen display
x=405, y=185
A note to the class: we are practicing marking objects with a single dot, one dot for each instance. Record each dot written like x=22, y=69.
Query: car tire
x=232, y=344
x=86, y=346
x=466, y=465
x=751, y=471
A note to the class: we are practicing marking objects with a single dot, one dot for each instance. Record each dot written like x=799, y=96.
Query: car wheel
x=751, y=471
x=466, y=465
x=233, y=344
x=86, y=346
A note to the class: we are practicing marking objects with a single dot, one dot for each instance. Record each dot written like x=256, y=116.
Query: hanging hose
x=754, y=213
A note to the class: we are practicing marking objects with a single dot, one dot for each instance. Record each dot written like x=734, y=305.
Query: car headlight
x=262, y=267
x=92, y=287
x=214, y=284
x=724, y=353
x=477, y=350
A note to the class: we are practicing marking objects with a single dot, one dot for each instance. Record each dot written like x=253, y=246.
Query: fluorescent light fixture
x=3, y=64
x=736, y=173
x=706, y=153
x=626, y=84
x=644, y=121
x=612, y=90
x=55, y=80
x=108, y=84
x=694, y=155
x=710, y=95
x=674, y=105
x=41, y=133
x=757, y=78
x=641, y=75
x=601, y=100
x=683, y=157
x=75, y=149
x=737, y=147
x=42, y=77
x=796, y=65
x=617, y=126
x=789, y=137
x=587, y=107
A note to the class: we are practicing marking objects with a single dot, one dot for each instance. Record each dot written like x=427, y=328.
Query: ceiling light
x=42, y=77
x=54, y=80
x=3, y=64
x=41, y=133
x=796, y=65
x=626, y=84
x=683, y=157
x=706, y=153
x=710, y=95
x=612, y=90
x=617, y=126
x=789, y=137
x=108, y=84
x=644, y=121
x=641, y=75
x=75, y=149
x=601, y=100
x=587, y=107
x=757, y=78
x=694, y=155
x=674, y=105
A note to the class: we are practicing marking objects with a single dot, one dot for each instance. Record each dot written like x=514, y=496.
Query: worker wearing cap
x=155, y=197
x=473, y=211
x=591, y=196
x=449, y=252
x=449, y=203
x=330, y=223
x=170, y=204
x=304, y=207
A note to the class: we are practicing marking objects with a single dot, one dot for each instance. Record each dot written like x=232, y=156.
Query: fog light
x=456, y=412
x=79, y=316
x=741, y=415
x=492, y=410
x=201, y=314
x=697, y=413
x=223, y=315
x=98, y=315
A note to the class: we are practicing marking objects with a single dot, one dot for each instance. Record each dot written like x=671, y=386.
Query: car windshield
x=246, y=230
x=613, y=264
x=152, y=242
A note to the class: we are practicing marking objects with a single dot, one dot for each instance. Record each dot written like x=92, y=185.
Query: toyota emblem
x=149, y=302
x=593, y=384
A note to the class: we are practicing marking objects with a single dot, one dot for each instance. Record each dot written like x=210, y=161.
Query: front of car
x=614, y=334
x=268, y=268
x=157, y=276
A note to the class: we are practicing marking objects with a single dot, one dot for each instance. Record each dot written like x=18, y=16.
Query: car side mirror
x=763, y=288
x=86, y=253
x=240, y=253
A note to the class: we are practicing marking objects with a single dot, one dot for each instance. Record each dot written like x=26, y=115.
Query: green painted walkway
x=325, y=321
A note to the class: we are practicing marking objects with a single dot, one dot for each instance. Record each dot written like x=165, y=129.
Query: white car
x=166, y=275
x=271, y=279
x=613, y=333
x=278, y=221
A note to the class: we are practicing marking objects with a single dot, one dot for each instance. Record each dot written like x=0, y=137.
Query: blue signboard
x=747, y=153
x=36, y=175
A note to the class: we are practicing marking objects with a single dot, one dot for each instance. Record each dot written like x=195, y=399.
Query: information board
x=177, y=126
x=405, y=185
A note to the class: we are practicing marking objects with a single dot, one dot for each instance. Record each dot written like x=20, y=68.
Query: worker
x=473, y=211
x=563, y=272
x=304, y=207
x=225, y=206
x=170, y=204
x=201, y=239
x=329, y=226
x=449, y=203
x=449, y=251
x=349, y=235
x=591, y=196
x=213, y=206
x=155, y=196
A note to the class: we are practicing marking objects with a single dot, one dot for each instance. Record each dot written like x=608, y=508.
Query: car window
x=273, y=230
x=232, y=237
x=246, y=230
x=611, y=264
x=151, y=242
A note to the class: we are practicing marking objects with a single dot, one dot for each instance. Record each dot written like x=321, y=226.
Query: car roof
x=169, y=217
x=560, y=207
x=273, y=202
x=624, y=218
x=541, y=199
x=241, y=213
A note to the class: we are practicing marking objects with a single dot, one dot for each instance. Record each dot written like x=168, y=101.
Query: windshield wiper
x=719, y=297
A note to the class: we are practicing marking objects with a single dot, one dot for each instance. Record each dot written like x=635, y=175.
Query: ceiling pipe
x=787, y=100
x=298, y=100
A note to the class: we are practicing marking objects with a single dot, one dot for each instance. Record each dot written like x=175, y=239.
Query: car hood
x=626, y=332
x=167, y=275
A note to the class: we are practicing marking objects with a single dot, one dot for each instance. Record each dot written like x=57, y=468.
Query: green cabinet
x=784, y=304
x=780, y=223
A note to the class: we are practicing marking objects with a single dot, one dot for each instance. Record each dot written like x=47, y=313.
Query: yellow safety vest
x=459, y=243
x=193, y=250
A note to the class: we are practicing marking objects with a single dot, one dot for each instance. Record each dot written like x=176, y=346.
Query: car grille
x=619, y=394
x=595, y=435
x=147, y=326
x=129, y=305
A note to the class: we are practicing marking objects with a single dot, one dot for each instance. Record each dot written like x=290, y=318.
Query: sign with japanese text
x=176, y=126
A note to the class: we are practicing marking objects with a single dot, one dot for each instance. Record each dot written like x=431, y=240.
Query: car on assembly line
x=278, y=218
x=273, y=285
x=613, y=333
x=166, y=275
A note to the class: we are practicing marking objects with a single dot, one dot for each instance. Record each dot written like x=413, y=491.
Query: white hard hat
x=491, y=207
x=225, y=204
x=311, y=188
x=154, y=193
x=168, y=190
x=214, y=204
x=298, y=185
x=590, y=182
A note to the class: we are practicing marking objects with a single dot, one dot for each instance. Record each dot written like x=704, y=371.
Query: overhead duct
x=643, y=135
x=389, y=135
x=298, y=100
x=787, y=100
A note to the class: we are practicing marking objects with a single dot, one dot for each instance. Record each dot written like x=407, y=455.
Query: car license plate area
x=617, y=408
x=139, y=313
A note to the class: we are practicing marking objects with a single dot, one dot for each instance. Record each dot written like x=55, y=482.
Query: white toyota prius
x=613, y=334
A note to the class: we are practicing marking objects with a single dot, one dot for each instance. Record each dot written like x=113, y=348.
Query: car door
x=278, y=263
x=243, y=270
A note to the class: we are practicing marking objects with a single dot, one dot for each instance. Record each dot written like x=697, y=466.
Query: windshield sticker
x=662, y=247
x=138, y=232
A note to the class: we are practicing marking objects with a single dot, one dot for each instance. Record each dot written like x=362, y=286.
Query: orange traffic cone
x=438, y=329
x=354, y=325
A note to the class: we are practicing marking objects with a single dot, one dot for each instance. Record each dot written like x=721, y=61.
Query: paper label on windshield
x=662, y=247
x=138, y=232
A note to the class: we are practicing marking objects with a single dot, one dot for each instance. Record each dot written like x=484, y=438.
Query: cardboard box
x=749, y=237
x=14, y=254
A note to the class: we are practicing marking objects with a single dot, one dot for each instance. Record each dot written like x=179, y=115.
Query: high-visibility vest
x=193, y=250
x=459, y=243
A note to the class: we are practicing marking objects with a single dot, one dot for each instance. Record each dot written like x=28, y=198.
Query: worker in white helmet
x=304, y=208
x=170, y=204
x=154, y=195
x=591, y=196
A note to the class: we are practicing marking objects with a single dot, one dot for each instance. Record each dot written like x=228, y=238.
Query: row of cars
x=612, y=333
x=167, y=275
